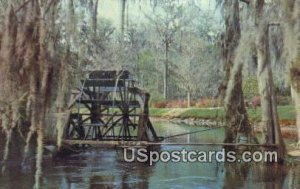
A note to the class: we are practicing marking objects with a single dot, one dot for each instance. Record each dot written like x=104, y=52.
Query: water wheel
x=108, y=106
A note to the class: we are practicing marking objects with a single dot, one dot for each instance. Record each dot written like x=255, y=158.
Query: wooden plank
x=109, y=74
x=146, y=143
x=106, y=143
x=102, y=83
x=111, y=103
x=110, y=114
x=102, y=90
x=103, y=124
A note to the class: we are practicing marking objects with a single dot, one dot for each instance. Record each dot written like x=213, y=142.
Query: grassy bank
x=285, y=113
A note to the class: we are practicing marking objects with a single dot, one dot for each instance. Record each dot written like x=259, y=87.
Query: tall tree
x=270, y=119
x=291, y=12
x=236, y=117
x=65, y=74
x=168, y=19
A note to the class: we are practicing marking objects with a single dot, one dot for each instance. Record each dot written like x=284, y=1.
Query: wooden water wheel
x=108, y=106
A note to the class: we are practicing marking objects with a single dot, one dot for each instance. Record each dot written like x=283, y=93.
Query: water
x=105, y=168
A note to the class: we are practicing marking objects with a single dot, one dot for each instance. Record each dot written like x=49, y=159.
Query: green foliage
x=156, y=97
x=286, y=112
x=145, y=61
x=250, y=87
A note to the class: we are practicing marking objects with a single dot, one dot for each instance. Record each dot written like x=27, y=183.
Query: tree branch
x=22, y=6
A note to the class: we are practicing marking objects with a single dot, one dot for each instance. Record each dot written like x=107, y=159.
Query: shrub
x=206, y=103
x=162, y=104
x=255, y=101
x=201, y=103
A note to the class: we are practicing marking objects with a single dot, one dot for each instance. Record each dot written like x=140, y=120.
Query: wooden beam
x=98, y=74
x=145, y=143
x=112, y=143
x=103, y=83
x=110, y=103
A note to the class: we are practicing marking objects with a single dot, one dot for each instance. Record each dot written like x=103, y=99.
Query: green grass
x=285, y=113
x=186, y=112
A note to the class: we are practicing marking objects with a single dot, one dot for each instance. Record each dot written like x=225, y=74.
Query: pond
x=105, y=168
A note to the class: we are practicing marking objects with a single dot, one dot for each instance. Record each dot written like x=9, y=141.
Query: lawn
x=285, y=113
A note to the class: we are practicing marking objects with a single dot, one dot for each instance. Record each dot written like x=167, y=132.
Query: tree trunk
x=297, y=107
x=94, y=12
x=295, y=69
x=123, y=10
x=267, y=92
x=236, y=118
x=292, y=40
x=292, y=94
x=295, y=84
x=188, y=98
x=166, y=70
x=230, y=40
x=65, y=77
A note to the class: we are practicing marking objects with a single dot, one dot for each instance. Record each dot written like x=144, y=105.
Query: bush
x=206, y=103
x=201, y=103
x=281, y=101
x=162, y=104
x=172, y=104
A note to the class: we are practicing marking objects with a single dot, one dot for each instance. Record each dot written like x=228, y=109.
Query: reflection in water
x=256, y=176
x=105, y=169
x=294, y=177
x=235, y=175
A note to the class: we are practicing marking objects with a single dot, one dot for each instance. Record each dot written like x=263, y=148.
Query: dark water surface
x=105, y=168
